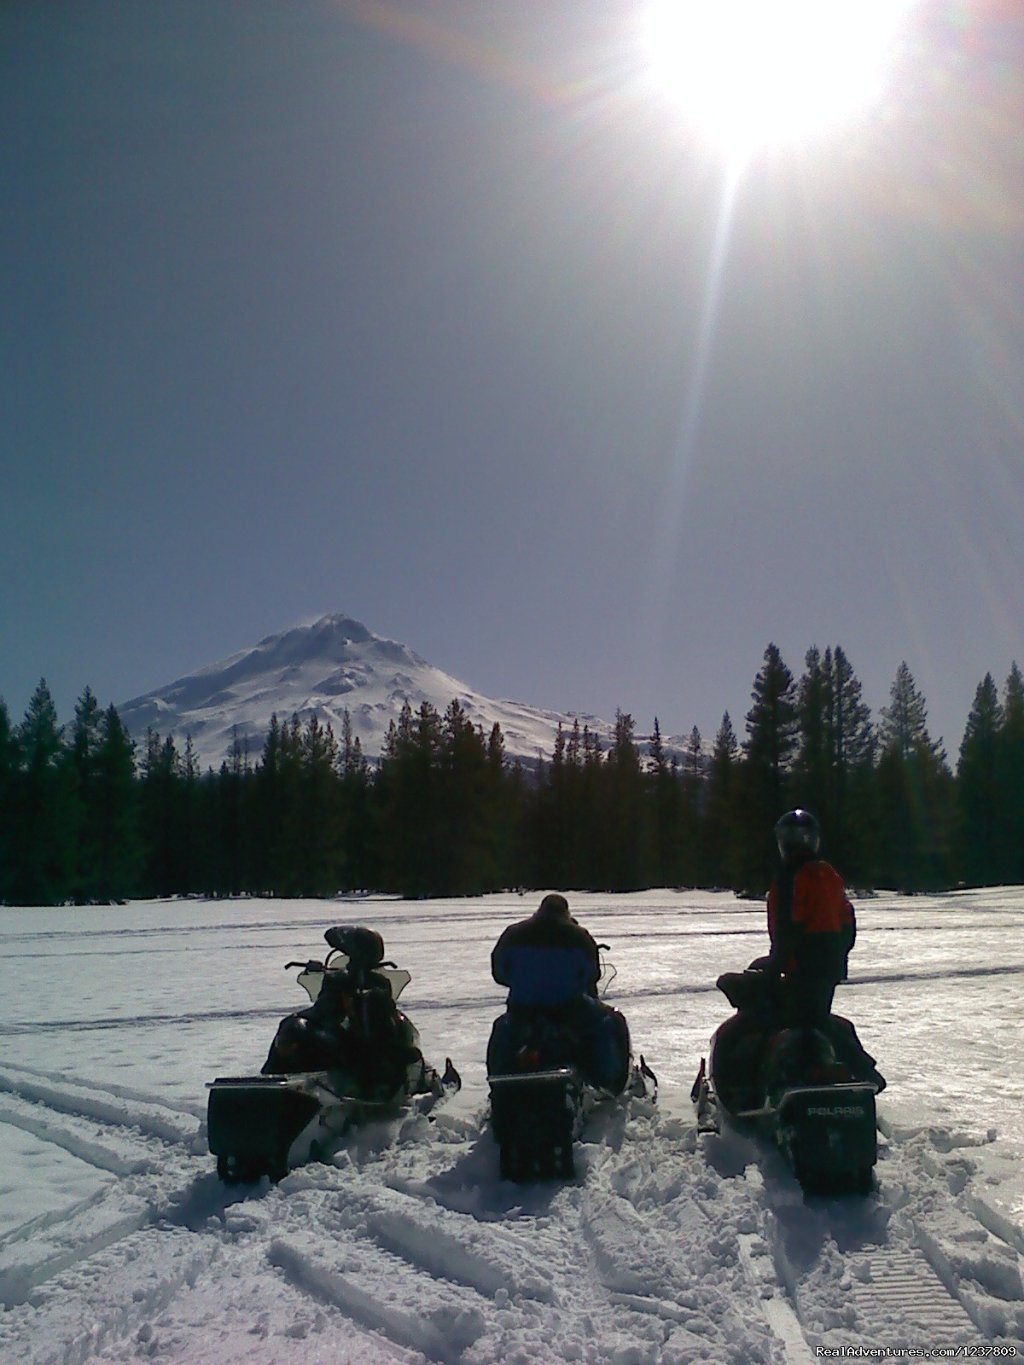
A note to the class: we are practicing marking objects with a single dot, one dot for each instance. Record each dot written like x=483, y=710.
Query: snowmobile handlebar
x=608, y=971
x=357, y=970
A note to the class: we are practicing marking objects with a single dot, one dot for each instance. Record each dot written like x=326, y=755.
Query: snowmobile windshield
x=311, y=981
x=609, y=971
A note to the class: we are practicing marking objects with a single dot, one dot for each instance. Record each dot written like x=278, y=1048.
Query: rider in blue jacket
x=551, y=966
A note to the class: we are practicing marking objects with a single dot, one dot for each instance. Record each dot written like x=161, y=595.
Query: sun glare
x=752, y=73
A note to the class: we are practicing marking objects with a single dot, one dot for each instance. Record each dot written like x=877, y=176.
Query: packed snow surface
x=118, y=1242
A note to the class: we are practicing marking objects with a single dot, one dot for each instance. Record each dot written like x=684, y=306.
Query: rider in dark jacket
x=551, y=966
x=547, y=959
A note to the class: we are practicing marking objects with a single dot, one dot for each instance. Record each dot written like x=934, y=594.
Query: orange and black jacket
x=811, y=922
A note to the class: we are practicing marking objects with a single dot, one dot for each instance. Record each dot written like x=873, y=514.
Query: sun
x=756, y=73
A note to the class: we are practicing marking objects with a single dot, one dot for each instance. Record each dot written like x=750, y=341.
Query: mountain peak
x=332, y=665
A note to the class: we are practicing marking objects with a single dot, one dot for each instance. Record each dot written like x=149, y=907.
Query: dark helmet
x=797, y=832
x=554, y=905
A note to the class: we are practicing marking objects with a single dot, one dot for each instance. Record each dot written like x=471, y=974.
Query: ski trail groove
x=105, y=1087
x=58, y=1244
x=149, y=1116
x=890, y=1271
x=151, y=1152
x=82, y=1139
x=124, y=1283
x=779, y=1314
x=659, y=1230
x=442, y=1327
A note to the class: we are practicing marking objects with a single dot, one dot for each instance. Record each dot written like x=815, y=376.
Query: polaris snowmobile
x=548, y=1068
x=809, y=1091
x=352, y=1055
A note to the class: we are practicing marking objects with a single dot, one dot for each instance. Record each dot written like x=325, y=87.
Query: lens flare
x=750, y=73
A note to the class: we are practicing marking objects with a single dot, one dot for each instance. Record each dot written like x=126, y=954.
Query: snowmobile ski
x=705, y=1101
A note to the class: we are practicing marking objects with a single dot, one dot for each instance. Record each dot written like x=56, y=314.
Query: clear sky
x=451, y=317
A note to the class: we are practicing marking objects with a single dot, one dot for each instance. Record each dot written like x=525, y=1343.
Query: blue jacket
x=546, y=960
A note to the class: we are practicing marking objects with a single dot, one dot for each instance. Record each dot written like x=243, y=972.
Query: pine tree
x=904, y=722
x=503, y=801
x=666, y=819
x=812, y=767
x=979, y=796
x=833, y=766
x=225, y=801
x=555, y=816
x=322, y=854
x=771, y=730
x=115, y=824
x=290, y=838
x=159, y=812
x=722, y=817
x=195, y=854
x=693, y=796
x=357, y=871
x=581, y=764
x=591, y=855
x=45, y=808
x=1011, y=778
x=84, y=756
x=10, y=765
x=407, y=785
x=851, y=752
x=915, y=798
x=621, y=807
x=267, y=814
x=768, y=755
x=466, y=853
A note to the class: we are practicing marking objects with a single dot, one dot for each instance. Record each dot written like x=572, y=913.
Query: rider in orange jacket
x=811, y=923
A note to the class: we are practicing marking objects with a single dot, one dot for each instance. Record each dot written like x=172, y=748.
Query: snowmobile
x=811, y=1092
x=350, y=1056
x=545, y=1079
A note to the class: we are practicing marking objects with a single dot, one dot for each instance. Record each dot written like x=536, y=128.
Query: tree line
x=88, y=816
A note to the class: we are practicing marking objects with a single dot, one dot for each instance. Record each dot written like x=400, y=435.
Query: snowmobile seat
x=749, y=991
x=363, y=947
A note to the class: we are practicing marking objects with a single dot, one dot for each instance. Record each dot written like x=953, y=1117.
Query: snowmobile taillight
x=828, y=1073
x=529, y=1059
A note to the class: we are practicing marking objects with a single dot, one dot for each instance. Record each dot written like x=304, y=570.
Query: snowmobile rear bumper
x=534, y=1116
x=829, y=1135
x=254, y=1123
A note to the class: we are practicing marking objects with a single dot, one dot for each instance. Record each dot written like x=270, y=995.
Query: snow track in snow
x=151, y=1159
x=893, y=1282
x=909, y=1267
x=110, y=1106
x=667, y=1249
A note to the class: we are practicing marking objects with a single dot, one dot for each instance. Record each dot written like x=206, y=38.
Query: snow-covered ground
x=117, y=1242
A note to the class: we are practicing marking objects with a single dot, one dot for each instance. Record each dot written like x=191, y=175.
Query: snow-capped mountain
x=334, y=665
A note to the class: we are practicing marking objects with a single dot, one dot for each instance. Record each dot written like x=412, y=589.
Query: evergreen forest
x=87, y=816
